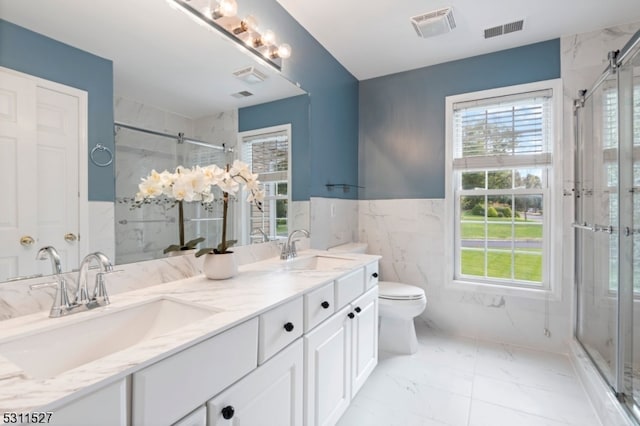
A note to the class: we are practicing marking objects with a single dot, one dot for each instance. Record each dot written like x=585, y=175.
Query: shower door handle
x=584, y=226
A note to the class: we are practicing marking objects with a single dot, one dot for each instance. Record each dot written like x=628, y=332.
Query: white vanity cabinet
x=166, y=391
x=340, y=354
x=105, y=407
x=270, y=395
x=364, y=353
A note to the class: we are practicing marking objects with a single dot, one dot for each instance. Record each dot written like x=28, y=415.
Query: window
x=500, y=147
x=267, y=151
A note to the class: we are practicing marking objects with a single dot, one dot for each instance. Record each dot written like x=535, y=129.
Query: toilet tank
x=350, y=248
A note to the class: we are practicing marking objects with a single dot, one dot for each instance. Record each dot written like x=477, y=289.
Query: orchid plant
x=195, y=185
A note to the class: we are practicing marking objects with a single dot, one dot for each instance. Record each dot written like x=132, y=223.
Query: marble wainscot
x=20, y=298
x=257, y=288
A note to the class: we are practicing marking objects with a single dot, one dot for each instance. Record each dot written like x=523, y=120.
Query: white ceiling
x=375, y=38
x=160, y=56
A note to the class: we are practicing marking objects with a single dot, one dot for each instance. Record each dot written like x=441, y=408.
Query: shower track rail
x=180, y=137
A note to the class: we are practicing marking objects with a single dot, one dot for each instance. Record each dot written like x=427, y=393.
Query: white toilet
x=398, y=305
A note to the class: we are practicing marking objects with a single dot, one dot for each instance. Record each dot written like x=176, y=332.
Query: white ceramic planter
x=220, y=266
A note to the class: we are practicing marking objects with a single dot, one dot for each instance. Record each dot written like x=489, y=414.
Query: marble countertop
x=258, y=287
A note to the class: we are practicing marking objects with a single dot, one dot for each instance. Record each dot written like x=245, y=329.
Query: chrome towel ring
x=100, y=147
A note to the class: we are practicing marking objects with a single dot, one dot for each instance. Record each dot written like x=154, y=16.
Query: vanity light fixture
x=225, y=8
x=222, y=16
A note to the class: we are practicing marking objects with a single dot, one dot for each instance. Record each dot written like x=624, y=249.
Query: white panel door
x=270, y=395
x=17, y=148
x=327, y=351
x=57, y=187
x=42, y=138
x=365, y=338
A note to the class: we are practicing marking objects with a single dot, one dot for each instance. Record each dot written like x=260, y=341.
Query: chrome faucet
x=99, y=296
x=260, y=231
x=289, y=249
x=61, y=299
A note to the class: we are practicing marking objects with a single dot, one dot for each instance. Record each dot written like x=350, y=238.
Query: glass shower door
x=596, y=218
x=629, y=105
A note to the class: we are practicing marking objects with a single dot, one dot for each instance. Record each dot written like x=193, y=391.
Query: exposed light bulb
x=269, y=37
x=227, y=8
x=249, y=23
x=284, y=51
x=266, y=39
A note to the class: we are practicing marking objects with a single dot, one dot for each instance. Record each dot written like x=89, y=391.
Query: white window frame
x=552, y=245
x=243, y=226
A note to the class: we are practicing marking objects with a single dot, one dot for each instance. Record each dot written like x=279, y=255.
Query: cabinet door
x=270, y=395
x=106, y=406
x=365, y=338
x=328, y=370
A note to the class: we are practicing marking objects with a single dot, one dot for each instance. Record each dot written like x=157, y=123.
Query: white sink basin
x=53, y=351
x=316, y=263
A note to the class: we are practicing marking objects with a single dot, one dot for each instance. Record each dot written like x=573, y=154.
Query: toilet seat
x=390, y=290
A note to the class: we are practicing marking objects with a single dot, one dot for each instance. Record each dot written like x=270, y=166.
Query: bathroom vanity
x=282, y=343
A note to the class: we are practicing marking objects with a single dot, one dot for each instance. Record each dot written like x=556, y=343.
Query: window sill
x=504, y=290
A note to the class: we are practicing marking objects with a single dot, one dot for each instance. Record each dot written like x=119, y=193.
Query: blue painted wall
x=333, y=135
x=293, y=110
x=35, y=54
x=402, y=116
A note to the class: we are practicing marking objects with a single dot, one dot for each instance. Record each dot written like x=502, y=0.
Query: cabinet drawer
x=349, y=287
x=197, y=418
x=318, y=306
x=371, y=275
x=164, y=392
x=279, y=327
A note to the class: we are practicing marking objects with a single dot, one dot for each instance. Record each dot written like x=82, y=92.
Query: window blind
x=268, y=155
x=503, y=131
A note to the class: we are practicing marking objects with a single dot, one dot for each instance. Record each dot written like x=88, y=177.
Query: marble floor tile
x=485, y=414
x=455, y=381
x=573, y=409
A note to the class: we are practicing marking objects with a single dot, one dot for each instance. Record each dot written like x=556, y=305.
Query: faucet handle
x=61, y=304
x=100, y=289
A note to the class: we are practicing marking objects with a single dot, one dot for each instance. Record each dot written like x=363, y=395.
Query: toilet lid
x=399, y=291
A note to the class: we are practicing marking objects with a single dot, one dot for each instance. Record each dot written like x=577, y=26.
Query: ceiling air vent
x=504, y=29
x=250, y=75
x=434, y=23
x=243, y=94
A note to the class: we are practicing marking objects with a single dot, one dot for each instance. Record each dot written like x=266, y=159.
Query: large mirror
x=179, y=92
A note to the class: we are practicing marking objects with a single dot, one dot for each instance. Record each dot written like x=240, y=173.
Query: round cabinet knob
x=358, y=309
x=70, y=237
x=27, y=241
x=325, y=305
x=228, y=412
x=374, y=275
x=351, y=315
x=288, y=327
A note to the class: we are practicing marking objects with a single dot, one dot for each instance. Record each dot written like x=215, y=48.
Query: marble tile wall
x=409, y=235
x=333, y=222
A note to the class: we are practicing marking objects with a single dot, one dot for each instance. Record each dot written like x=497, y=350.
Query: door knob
x=27, y=241
x=288, y=327
x=357, y=309
x=70, y=237
x=325, y=304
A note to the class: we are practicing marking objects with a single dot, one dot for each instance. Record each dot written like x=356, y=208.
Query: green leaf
x=193, y=243
x=222, y=247
x=172, y=247
x=203, y=251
